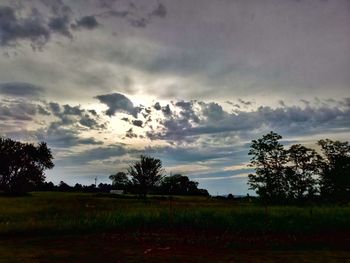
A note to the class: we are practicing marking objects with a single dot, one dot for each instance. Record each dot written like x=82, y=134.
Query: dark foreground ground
x=56, y=227
x=173, y=247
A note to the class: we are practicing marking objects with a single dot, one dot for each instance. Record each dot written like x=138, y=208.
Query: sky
x=190, y=82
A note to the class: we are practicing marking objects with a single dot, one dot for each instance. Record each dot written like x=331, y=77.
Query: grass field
x=71, y=227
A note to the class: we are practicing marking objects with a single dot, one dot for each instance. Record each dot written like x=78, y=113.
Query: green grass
x=76, y=227
x=55, y=213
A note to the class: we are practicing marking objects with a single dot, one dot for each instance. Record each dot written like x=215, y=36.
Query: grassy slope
x=74, y=227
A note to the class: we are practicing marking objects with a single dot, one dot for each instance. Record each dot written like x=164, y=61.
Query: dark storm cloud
x=160, y=11
x=60, y=25
x=43, y=111
x=89, y=122
x=54, y=107
x=14, y=28
x=20, y=89
x=59, y=137
x=212, y=111
x=117, y=102
x=130, y=134
x=57, y=7
x=72, y=110
x=133, y=14
x=96, y=154
x=166, y=110
x=93, y=112
x=86, y=22
x=72, y=115
x=246, y=103
x=17, y=110
x=187, y=112
x=137, y=123
x=37, y=21
x=157, y=106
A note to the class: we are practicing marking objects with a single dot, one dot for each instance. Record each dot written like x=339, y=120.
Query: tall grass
x=49, y=213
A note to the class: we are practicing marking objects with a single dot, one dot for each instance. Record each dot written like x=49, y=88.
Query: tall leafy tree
x=303, y=167
x=22, y=165
x=146, y=173
x=335, y=176
x=268, y=159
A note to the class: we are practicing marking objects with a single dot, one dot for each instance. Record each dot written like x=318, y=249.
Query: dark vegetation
x=177, y=220
x=22, y=165
x=300, y=174
x=51, y=213
x=297, y=175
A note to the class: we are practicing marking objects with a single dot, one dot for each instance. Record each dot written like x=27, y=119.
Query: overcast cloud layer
x=191, y=82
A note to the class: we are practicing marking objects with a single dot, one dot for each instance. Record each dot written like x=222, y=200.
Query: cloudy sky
x=191, y=82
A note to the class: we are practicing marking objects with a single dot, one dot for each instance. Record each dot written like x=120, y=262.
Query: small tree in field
x=145, y=174
x=22, y=165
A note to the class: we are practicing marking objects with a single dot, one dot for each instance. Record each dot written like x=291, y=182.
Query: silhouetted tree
x=46, y=186
x=119, y=180
x=78, y=187
x=268, y=158
x=90, y=188
x=303, y=166
x=178, y=184
x=145, y=174
x=104, y=188
x=63, y=187
x=22, y=165
x=230, y=197
x=335, y=175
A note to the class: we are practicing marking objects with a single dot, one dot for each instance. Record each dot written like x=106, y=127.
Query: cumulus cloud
x=72, y=115
x=211, y=119
x=117, y=102
x=37, y=21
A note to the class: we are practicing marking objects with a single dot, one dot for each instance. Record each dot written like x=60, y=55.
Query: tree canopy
x=22, y=165
x=268, y=158
x=146, y=173
x=335, y=174
x=178, y=184
x=299, y=173
x=119, y=180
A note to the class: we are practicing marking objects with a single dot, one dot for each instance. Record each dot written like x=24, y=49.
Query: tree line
x=22, y=167
x=176, y=184
x=299, y=173
x=147, y=176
